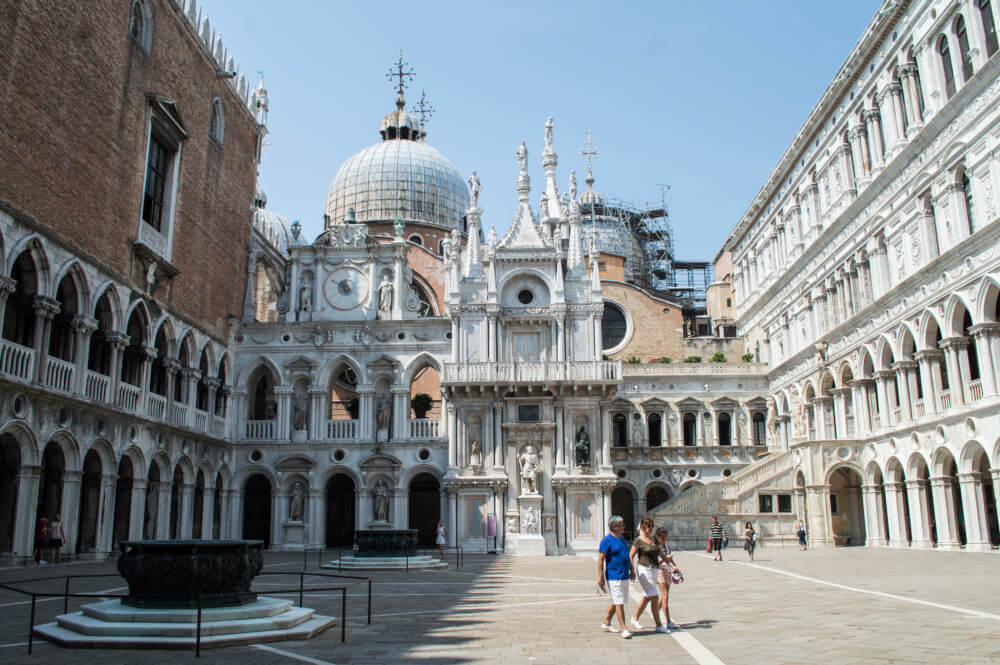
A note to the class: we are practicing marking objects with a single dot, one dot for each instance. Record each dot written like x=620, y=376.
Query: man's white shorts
x=647, y=580
x=619, y=591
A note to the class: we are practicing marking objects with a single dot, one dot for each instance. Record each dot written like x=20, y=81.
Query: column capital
x=7, y=287
x=84, y=324
x=917, y=483
x=212, y=382
x=928, y=354
x=862, y=382
x=284, y=390
x=149, y=352
x=904, y=364
x=118, y=340
x=989, y=329
x=47, y=307
x=194, y=373
x=885, y=374
x=970, y=477
x=954, y=343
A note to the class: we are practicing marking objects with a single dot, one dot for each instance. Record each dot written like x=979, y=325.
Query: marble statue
x=529, y=463
x=529, y=520
x=381, y=501
x=305, y=298
x=384, y=415
x=295, y=503
x=637, y=432
x=475, y=453
x=522, y=158
x=548, y=134
x=385, y=297
x=474, y=189
x=299, y=410
x=582, y=447
x=572, y=185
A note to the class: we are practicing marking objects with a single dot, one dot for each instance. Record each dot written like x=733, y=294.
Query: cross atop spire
x=589, y=151
x=423, y=110
x=400, y=72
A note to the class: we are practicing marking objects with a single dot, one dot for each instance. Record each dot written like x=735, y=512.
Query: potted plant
x=352, y=407
x=421, y=403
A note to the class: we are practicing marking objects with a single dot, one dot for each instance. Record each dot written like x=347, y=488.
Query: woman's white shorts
x=647, y=580
x=619, y=591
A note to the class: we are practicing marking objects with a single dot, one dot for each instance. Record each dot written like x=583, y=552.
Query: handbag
x=709, y=547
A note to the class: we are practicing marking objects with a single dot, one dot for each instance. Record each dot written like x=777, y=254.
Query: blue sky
x=704, y=97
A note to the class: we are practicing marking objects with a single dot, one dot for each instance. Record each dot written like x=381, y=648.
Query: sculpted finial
x=548, y=134
x=522, y=158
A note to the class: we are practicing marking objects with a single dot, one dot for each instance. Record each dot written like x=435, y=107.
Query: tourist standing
x=749, y=539
x=41, y=540
x=800, y=531
x=665, y=571
x=442, y=537
x=646, y=554
x=614, y=570
x=717, y=534
x=56, y=539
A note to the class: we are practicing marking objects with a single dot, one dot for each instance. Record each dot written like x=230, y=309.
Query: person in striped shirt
x=717, y=534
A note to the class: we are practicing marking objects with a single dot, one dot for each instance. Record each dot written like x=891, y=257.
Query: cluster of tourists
x=49, y=537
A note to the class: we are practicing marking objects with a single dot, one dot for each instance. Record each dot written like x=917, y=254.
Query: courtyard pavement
x=832, y=607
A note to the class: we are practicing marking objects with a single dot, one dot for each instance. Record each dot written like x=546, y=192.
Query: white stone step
x=114, y=610
x=68, y=638
x=385, y=563
x=80, y=623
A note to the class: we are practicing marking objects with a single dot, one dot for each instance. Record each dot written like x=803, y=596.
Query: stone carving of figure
x=637, y=432
x=381, y=501
x=582, y=447
x=529, y=464
x=800, y=417
x=295, y=504
x=398, y=226
x=474, y=189
x=305, y=298
x=384, y=414
x=548, y=134
x=385, y=297
x=675, y=476
x=299, y=408
x=522, y=158
x=772, y=421
x=572, y=185
x=475, y=453
x=529, y=521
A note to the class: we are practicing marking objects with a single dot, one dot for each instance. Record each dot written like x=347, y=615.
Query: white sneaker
x=608, y=628
x=626, y=634
x=673, y=626
x=662, y=629
x=636, y=624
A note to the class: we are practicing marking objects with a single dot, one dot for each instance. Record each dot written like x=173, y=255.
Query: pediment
x=295, y=463
x=690, y=403
x=380, y=462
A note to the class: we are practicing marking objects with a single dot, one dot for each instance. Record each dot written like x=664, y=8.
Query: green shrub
x=693, y=359
x=747, y=357
x=421, y=403
x=665, y=360
x=718, y=357
x=634, y=360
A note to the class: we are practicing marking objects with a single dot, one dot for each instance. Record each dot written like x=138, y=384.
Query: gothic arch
x=251, y=368
x=418, y=469
x=883, y=353
x=845, y=374
x=873, y=473
x=74, y=270
x=27, y=442
x=988, y=300
x=188, y=346
x=166, y=326
x=110, y=291
x=913, y=464
x=139, y=465
x=904, y=336
x=894, y=470
x=186, y=467
x=928, y=331
x=69, y=446
x=866, y=364
x=955, y=309
x=36, y=250
x=326, y=374
x=967, y=458
x=139, y=308
x=942, y=456
x=421, y=360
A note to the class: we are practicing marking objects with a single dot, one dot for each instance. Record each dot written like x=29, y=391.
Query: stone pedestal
x=528, y=540
x=300, y=435
x=295, y=535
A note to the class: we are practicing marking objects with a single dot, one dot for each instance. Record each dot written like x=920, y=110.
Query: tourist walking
x=41, y=540
x=646, y=554
x=614, y=570
x=717, y=534
x=441, y=538
x=800, y=531
x=749, y=539
x=666, y=572
x=56, y=539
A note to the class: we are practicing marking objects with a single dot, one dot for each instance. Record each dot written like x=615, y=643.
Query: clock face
x=346, y=288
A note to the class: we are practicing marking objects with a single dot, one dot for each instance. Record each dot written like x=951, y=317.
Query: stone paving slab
x=535, y=611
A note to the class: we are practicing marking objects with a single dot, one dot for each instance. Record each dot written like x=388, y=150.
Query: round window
x=339, y=455
x=613, y=326
x=621, y=473
x=256, y=456
x=424, y=455
x=525, y=296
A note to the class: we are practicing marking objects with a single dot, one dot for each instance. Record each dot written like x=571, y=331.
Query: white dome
x=398, y=177
x=272, y=226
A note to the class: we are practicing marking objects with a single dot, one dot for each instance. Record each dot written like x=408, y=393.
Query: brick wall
x=655, y=332
x=73, y=142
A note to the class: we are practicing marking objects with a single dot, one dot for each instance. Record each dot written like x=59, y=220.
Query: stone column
x=211, y=384
x=995, y=474
x=882, y=390
x=163, y=491
x=974, y=509
x=560, y=461
x=189, y=394
x=952, y=347
x=319, y=411
x=366, y=412
x=945, y=519
x=597, y=336
x=137, y=509
x=400, y=508
x=83, y=329
x=862, y=423
x=186, y=510
x=284, y=395
x=45, y=310
x=498, y=448
x=858, y=150
x=981, y=334
x=605, y=462
x=840, y=396
x=7, y=287
x=930, y=378
x=819, y=417
x=316, y=531
x=903, y=368
x=28, y=480
x=70, y=508
x=149, y=354
x=874, y=516
x=818, y=500
x=890, y=124
x=106, y=514
x=491, y=351
x=920, y=512
x=452, y=438
x=400, y=413
x=895, y=513
x=911, y=94
x=873, y=124
x=207, y=505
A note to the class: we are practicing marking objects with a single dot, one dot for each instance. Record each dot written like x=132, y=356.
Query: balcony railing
x=897, y=414
x=128, y=396
x=261, y=430
x=919, y=408
x=156, y=406
x=849, y=422
x=944, y=398
x=533, y=372
x=97, y=386
x=16, y=360
x=424, y=428
x=876, y=422
x=180, y=413
x=218, y=426
x=975, y=390
x=341, y=430
x=200, y=420
x=59, y=374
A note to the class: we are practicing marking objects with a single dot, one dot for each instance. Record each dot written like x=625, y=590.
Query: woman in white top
x=57, y=536
x=442, y=537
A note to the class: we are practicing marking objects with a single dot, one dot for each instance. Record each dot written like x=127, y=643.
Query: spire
x=523, y=181
x=399, y=124
x=589, y=152
x=551, y=211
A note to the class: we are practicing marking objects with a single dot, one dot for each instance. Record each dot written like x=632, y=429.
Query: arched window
x=759, y=429
x=989, y=28
x=441, y=247
x=620, y=427
x=653, y=429
x=140, y=25
x=417, y=240
x=690, y=429
x=725, y=430
x=949, y=73
x=969, y=210
x=963, y=47
x=217, y=121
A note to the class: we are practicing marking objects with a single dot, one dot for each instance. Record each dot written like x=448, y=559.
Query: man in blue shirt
x=614, y=570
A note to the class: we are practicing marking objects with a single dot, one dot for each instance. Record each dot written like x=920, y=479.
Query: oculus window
x=614, y=326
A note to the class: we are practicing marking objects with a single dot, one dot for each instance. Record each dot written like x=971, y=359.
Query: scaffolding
x=650, y=259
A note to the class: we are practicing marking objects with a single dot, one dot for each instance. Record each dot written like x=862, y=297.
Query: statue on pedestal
x=295, y=503
x=384, y=417
x=582, y=447
x=385, y=298
x=381, y=501
x=299, y=410
x=529, y=463
x=475, y=453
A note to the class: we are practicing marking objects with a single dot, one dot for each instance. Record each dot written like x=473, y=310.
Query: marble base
x=421, y=562
x=295, y=535
x=300, y=435
x=109, y=624
x=527, y=545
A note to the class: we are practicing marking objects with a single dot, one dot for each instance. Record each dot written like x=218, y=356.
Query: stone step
x=114, y=610
x=68, y=638
x=386, y=563
x=80, y=623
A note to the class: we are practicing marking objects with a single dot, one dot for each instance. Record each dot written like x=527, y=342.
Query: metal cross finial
x=399, y=72
x=423, y=110
x=589, y=151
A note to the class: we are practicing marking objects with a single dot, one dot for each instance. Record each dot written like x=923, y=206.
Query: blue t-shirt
x=615, y=551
